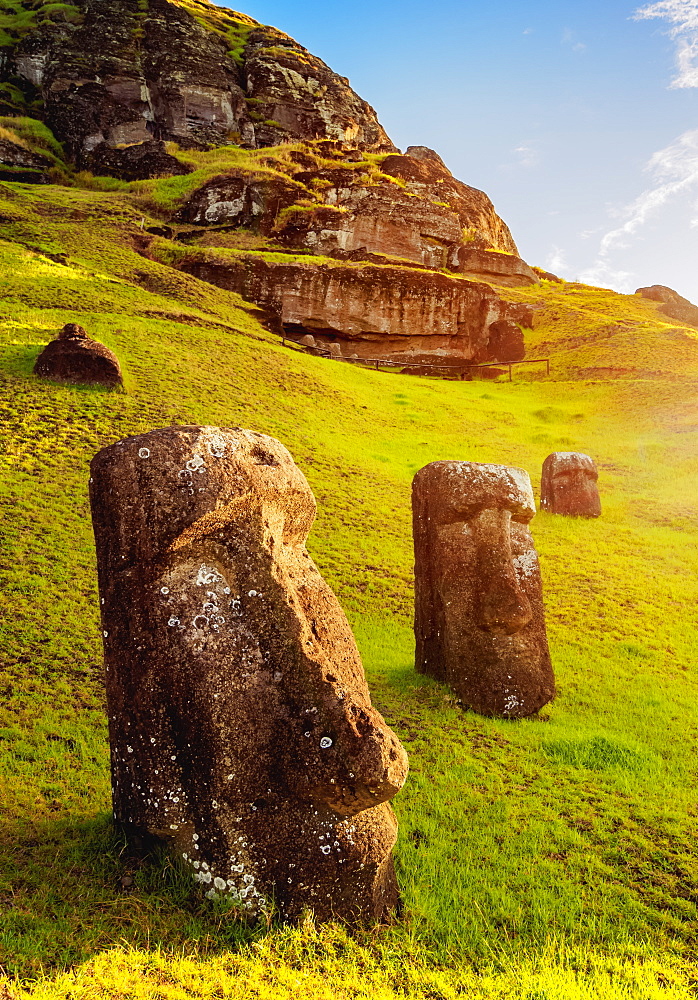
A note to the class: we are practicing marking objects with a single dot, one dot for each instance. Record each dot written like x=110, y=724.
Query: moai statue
x=569, y=485
x=479, y=621
x=75, y=358
x=241, y=727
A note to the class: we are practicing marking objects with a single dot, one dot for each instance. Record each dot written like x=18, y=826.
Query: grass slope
x=546, y=859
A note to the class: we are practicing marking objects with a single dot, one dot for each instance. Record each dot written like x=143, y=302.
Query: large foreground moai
x=479, y=622
x=241, y=725
x=569, y=485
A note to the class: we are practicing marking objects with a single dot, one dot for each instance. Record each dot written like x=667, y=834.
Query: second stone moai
x=569, y=485
x=241, y=726
x=479, y=620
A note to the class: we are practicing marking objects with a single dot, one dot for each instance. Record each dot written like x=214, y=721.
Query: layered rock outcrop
x=673, y=305
x=399, y=314
x=128, y=87
x=402, y=206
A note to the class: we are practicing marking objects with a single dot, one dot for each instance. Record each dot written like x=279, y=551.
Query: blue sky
x=579, y=120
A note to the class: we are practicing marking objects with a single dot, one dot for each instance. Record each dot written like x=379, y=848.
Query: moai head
x=479, y=622
x=569, y=485
x=241, y=725
x=73, y=331
x=75, y=359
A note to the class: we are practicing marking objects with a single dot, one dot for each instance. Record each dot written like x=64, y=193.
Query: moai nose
x=503, y=607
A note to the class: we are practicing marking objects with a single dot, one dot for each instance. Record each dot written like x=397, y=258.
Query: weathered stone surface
x=479, y=620
x=240, y=199
x=296, y=94
x=569, y=485
x=118, y=76
x=22, y=165
x=502, y=268
x=75, y=358
x=393, y=313
x=421, y=216
x=241, y=725
x=356, y=212
x=136, y=162
x=426, y=175
x=546, y=275
x=673, y=305
x=506, y=341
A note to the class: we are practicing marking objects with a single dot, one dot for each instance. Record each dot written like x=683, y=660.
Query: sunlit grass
x=547, y=859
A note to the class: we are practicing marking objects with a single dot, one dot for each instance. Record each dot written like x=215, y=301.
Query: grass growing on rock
x=548, y=859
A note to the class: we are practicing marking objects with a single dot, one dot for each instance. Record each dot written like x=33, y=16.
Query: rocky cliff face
x=671, y=303
x=398, y=314
x=139, y=89
x=111, y=75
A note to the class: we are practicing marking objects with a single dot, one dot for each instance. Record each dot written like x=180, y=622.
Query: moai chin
x=569, y=485
x=241, y=727
x=479, y=621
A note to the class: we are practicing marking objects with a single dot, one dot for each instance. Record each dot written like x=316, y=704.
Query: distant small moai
x=479, y=619
x=569, y=485
x=241, y=727
x=75, y=358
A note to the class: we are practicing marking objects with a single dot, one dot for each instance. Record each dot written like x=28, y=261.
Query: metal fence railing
x=378, y=363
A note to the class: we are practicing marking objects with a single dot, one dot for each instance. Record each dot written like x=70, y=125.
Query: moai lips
x=241, y=725
x=569, y=485
x=479, y=620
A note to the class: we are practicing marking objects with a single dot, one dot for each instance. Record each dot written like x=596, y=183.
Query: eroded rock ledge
x=369, y=311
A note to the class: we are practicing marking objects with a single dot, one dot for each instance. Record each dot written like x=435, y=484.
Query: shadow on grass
x=70, y=889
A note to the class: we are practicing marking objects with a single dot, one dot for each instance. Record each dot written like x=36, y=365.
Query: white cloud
x=673, y=170
x=527, y=154
x=683, y=15
x=556, y=260
x=675, y=174
x=569, y=38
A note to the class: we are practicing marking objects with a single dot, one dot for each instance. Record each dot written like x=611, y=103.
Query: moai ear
x=241, y=725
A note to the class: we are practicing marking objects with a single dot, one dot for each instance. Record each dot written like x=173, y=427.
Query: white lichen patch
x=526, y=564
x=511, y=703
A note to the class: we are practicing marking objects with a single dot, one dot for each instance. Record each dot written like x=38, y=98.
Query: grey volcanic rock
x=74, y=358
x=297, y=95
x=424, y=153
x=479, y=619
x=420, y=215
x=241, y=199
x=137, y=162
x=241, y=726
x=23, y=165
x=569, y=485
x=672, y=304
x=119, y=76
x=400, y=314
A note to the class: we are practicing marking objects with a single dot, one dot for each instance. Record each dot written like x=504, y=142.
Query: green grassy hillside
x=549, y=859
